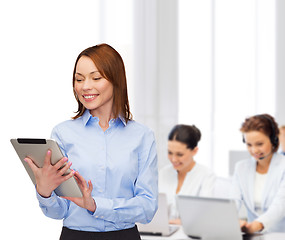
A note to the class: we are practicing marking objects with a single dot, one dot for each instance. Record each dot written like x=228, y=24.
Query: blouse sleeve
x=235, y=192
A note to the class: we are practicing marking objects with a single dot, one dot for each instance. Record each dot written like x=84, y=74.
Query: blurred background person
x=258, y=182
x=282, y=139
x=184, y=175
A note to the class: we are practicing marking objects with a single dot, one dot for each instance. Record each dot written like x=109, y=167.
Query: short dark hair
x=190, y=135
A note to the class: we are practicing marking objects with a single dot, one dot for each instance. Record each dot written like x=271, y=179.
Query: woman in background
x=282, y=139
x=258, y=182
x=184, y=175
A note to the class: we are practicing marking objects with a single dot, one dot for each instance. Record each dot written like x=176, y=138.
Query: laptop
x=159, y=225
x=211, y=218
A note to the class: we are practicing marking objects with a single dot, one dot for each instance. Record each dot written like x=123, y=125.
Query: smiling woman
x=116, y=154
x=259, y=182
x=184, y=175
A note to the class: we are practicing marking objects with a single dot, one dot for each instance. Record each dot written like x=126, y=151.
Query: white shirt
x=199, y=181
x=259, y=184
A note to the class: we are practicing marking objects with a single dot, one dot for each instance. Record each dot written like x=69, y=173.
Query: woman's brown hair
x=111, y=66
x=263, y=123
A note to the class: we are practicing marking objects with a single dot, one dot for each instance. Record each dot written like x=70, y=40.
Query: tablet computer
x=36, y=149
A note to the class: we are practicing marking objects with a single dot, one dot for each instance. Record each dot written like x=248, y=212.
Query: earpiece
x=273, y=137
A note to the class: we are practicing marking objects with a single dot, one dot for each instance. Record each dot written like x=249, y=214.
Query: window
x=227, y=71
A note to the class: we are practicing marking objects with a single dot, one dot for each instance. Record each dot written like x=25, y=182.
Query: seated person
x=282, y=139
x=184, y=175
x=258, y=182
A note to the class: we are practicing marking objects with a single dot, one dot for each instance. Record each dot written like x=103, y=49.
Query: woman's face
x=258, y=145
x=180, y=156
x=93, y=91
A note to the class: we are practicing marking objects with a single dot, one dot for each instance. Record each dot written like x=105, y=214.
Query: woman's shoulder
x=132, y=124
x=67, y=123
x=134, y=128
x=245, y=163
x=67, y=126
x=203, y=170
x=245, y=167
x=278, y=161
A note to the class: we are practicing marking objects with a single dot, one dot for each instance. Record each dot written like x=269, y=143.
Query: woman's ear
x=195, y=150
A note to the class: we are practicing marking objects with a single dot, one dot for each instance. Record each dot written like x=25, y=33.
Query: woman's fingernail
x=49, y=152
x=25, y=159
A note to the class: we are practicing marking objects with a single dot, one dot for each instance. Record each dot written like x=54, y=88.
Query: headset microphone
x=261, y=158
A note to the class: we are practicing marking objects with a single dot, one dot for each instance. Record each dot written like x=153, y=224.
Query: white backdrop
x=40, y=41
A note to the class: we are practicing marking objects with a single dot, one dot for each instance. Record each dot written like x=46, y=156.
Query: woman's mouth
x=89, y=97
x=258, y=155
x=176, y=164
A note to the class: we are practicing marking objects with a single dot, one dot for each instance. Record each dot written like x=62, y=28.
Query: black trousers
x=126, y=234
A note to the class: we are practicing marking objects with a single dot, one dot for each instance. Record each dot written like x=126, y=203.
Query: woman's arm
x=276, y=211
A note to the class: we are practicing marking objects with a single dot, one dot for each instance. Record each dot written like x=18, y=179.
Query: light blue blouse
x=122, y=165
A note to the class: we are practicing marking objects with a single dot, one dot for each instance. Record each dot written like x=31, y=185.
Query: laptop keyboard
x=252, y=236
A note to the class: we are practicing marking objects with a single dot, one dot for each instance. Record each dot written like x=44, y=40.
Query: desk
x=180, y=235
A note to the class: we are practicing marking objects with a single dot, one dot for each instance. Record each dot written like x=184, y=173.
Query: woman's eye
x=97, y=78
x=78, y=80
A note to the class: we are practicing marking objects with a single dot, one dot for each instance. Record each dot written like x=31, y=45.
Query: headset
x=273, y=137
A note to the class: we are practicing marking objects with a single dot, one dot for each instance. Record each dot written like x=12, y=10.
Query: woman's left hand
x=86, y=201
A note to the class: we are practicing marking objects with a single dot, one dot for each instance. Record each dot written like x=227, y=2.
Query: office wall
x=280, y=61
x=156, y=68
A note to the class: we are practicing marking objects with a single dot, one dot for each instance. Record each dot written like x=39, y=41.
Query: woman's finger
x=81, y=180
x=31, y=164
x=60, y=163
x=47, y=159
x=63, y=170
x=90, y=186
x=68, y=176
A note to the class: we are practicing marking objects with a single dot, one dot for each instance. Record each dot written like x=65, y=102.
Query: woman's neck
x=104, y=118
x=181, y=176
x=188, y=168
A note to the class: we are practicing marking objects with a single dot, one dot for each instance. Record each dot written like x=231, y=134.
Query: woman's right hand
x=49, y=177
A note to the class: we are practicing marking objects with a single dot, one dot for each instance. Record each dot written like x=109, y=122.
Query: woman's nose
x=87, y=85
x=254, y=150
x=173, y=159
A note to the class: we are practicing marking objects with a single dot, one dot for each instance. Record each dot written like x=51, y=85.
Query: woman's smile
x=90, y=97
